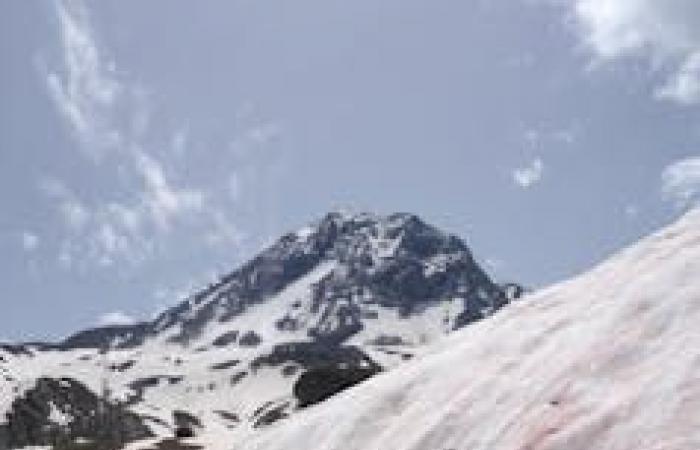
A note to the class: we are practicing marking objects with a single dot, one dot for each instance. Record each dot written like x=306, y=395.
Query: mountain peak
x=396, y=262
x=370, y=235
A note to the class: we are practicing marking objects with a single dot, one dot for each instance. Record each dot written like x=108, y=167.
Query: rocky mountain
x=320, y=310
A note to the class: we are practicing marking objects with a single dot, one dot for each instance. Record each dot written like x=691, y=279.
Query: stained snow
x=607, y=361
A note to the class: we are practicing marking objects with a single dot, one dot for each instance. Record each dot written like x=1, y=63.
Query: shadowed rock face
x=320, y=383
x=185, y=424
x=122, y=336
x=57, y=411
x=313, y=354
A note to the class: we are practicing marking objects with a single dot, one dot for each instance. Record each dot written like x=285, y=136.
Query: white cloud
x=74, y=213
x=115, y=318
x=30, y=241
x=684, y=86
x=110, y=242
x=65, y=258
x=530, y=175
x=665, y=32
x=86, y=91
x=162, y=200
x=149, y=199
x=125, y=230
x=98, y=234
x=126, y=217
x=680, y=182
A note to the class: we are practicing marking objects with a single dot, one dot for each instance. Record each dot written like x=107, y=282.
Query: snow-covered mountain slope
x=354, y=294
x=609, y=360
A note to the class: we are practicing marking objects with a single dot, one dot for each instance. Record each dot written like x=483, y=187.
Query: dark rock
x=313, y=354
x=270, y=413
x=175, y=379
x=142, y=383
x=250, y=339
x=236, y=378
x=16, y=349
x=320, y=383
x=86, y=415
x=184, y=432
x=387, y=340
x=231, y=417
x=123, y=367
x=287, y=323
x=290, y=370
x=185, y=424
x=514, y=291
x=127, y=336
x=225, y=365
x=226, y=339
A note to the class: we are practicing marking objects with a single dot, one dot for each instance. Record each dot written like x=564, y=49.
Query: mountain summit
x=359, y=265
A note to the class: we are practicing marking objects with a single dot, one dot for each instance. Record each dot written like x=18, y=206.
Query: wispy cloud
x=665, y=32
x=538, y=138
x=115, y=318
x=665, y=35
x=73, y=212
x=160, y=199
x=529, y=175
x=684, y=86
x=680, y=182
x=109, y=115
x=101, y=234
x=29, y=240
x=86, y=90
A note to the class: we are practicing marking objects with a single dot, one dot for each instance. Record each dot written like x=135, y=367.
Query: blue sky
x=147, y=147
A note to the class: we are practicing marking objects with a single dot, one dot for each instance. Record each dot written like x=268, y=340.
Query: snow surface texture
x=608, y=361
